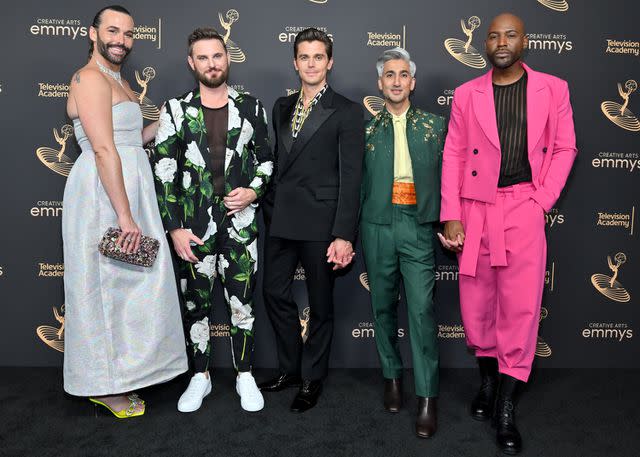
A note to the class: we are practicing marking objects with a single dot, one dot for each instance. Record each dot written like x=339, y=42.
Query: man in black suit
x=311, y=214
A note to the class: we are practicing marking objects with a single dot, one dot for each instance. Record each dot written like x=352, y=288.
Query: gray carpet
x=561, y=413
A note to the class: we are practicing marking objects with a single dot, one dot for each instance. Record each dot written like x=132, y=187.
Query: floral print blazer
x=182, y=170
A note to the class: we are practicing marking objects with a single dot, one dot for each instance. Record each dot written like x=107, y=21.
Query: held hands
x=129, y=240
x=340, y=253
x=181, y=242
x=453, y=238
x=238, y=199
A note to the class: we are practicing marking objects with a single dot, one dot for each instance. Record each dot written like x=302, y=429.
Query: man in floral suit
x=212, y=163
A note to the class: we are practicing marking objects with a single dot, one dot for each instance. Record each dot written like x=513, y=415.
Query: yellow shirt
x=402, y=171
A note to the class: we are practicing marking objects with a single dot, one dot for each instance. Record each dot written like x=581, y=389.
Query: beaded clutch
x=144, y=257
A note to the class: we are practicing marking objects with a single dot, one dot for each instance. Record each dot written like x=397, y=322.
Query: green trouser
x=403, y=248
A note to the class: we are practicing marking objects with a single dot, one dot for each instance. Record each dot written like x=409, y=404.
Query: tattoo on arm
x=77, y=77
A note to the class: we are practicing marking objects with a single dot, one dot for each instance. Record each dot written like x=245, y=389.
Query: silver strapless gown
x=123, y=326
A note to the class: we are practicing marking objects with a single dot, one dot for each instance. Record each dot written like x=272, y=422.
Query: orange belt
x=404, y=193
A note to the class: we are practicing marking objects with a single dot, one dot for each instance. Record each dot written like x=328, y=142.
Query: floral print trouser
x=229, y=252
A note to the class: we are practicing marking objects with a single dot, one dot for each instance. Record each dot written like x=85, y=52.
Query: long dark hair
x=98, y=19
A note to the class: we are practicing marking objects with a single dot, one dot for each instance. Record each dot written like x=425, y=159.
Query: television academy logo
x=53, y=336
x=542, y=348
x=627, y=47
x=219, y=330
x=451, y=331
x=56, y=159
x=555, y=5
x=462, y=51
x=550, y=277
x=388, y=39
x=373, y=104
x=619, y=219
x=364, y=280
x=149, y=110
x=304, y=324
x=300, y=274
x=236, y=55
x=620, y=114
x=609, y=285
x=50, y=270
x=53, y=90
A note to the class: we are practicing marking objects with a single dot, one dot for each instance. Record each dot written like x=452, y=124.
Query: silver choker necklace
x=114, y=74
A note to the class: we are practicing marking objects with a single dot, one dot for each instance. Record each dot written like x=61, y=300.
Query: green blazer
x=425, y=136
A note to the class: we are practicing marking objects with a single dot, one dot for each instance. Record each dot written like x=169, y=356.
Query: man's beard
x=103, y=49
x=213, y=82
x=514, y=57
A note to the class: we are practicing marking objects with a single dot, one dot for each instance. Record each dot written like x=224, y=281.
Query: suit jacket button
x=474, y=173
x=475, y=151
x=544, y=149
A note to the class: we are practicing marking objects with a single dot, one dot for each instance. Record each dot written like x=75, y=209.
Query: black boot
x=427, y=418
x=507, y=435
x=393, y=395
x=482, y=404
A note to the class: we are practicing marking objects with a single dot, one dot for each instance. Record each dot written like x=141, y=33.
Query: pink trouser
x=501, y=279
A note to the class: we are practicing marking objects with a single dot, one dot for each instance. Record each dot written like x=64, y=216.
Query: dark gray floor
x=562, y=413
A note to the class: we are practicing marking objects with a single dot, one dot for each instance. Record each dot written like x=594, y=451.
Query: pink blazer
x=471, y=160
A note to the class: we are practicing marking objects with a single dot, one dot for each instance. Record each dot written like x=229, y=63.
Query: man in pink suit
x=509, y=150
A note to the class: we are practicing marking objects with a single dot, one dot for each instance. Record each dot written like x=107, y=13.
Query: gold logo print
x=608, y=285
x=304, y=324
x=235, y=53
x=364, y=280
x=373, y=104
x=52, y=336
x=542, y=348
x=555, y=5
x=620, y=114
x=149, y=110
x=462, y=51
x=55, y=159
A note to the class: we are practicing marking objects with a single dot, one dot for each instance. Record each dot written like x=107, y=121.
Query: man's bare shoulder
x=89, y=76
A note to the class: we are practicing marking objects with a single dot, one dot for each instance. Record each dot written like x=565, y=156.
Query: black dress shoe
x=427, y=420
x=507, y=435
x=484, y=401
x=281, y=382
x=307, y=396
x=392, y=395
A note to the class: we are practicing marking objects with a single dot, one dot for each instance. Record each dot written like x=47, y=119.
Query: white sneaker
x=250, y=396
x=191, y=399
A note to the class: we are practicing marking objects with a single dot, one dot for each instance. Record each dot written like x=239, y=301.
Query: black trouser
x=282, y=256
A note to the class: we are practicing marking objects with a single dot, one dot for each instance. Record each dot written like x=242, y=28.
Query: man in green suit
x=400, y=204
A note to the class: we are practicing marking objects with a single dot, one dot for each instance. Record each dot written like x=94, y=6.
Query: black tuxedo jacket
x=315, y=189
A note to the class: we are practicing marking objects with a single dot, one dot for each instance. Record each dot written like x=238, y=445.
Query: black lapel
x=287, y=106
x=319, y=114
